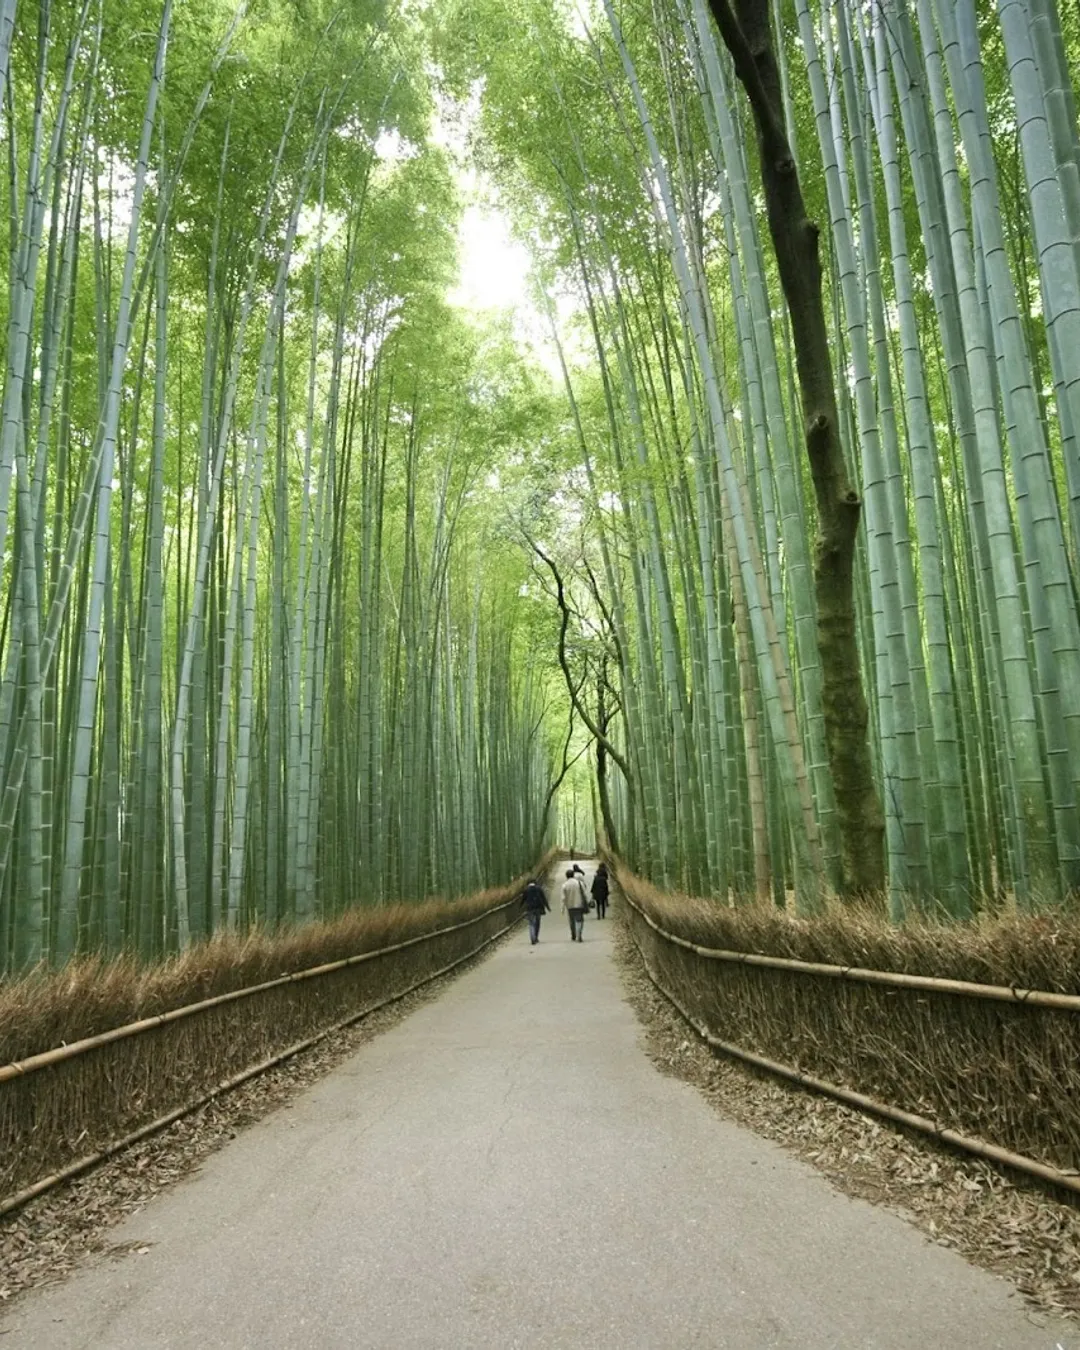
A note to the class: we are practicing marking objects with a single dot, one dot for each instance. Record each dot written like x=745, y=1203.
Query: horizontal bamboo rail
x=1000, y=993
x=65, y=1052
x=15, y=1201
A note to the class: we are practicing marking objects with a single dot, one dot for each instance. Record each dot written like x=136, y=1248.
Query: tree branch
x=567, y=765
x=575, y=699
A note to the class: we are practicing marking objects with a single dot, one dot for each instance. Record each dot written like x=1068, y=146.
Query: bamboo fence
x=68, y=1108
x=989, y=1069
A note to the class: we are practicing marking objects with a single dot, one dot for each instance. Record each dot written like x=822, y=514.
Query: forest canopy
x=756, y=527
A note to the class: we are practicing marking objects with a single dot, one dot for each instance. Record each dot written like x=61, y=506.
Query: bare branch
x=575, y=693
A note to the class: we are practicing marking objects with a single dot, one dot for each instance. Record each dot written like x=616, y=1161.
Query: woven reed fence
x=65, y=1106
x=1001, y=1066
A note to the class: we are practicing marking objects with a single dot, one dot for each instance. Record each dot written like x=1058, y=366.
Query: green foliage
x=328, y=651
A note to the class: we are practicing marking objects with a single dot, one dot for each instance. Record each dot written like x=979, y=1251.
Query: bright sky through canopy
x=495, y=275
x=494, y=265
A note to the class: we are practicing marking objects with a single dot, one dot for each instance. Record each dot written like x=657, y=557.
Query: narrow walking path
x=505, y=1168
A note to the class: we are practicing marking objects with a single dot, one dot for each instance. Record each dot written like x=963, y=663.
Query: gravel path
x=505, y=1168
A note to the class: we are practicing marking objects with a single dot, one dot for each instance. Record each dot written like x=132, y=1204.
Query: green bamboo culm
x=949, y=388
x=317, y=590
x=251, y=630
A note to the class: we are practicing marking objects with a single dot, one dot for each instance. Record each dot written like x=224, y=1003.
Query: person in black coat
x=600, y=890
x=534, y=903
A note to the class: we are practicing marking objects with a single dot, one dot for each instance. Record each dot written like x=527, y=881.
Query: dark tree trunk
x=603, y=717
x=745, y=31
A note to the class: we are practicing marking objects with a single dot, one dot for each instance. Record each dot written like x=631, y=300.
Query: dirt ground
x=1007, y=1226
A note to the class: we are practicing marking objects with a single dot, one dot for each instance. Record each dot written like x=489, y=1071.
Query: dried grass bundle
x=1023, y=951
x=91, y=994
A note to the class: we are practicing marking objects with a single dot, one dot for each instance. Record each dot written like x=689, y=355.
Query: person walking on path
x=534, y=903
x=600, y=890
x=574, y=902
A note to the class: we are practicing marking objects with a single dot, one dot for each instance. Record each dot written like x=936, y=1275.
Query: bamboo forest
x=751, y=528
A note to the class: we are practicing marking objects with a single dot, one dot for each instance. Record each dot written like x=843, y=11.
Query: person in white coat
x=574, y=903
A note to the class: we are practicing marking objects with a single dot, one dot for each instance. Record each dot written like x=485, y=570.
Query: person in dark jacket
x=534, y=903
x=600, y=890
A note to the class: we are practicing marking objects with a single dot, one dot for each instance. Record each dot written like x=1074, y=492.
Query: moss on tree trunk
x=745, y=31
